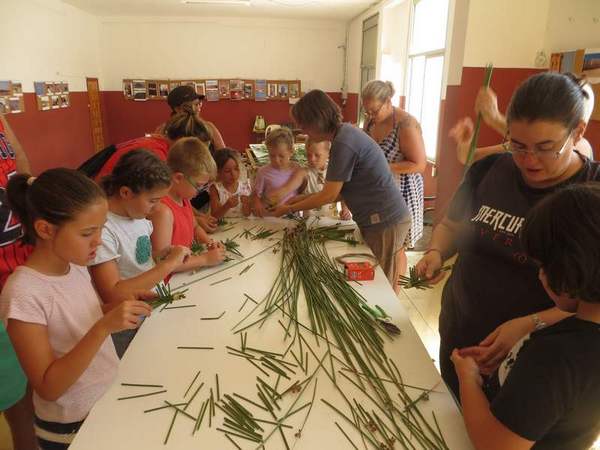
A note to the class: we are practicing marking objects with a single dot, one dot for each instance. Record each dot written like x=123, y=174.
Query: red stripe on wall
x=127, y=119
x=55, y=138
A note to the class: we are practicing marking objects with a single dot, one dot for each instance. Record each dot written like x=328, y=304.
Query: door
x=95, y=113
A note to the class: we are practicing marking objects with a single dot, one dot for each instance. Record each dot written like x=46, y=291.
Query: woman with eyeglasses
x=399, y=136
x=486, y=104
x=493, y=297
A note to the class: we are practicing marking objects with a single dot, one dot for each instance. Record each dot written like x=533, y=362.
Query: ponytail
x=56, y=196
x=186, y=123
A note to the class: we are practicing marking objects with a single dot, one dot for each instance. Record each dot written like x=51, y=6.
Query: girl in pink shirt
x=271, y=178
x=52, y=313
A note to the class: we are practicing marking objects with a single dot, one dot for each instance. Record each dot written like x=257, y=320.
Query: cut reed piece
x=166, y=296
x=473, y=145
x=414, y=281
x=142, y=395
x=194, y=348
x=232, y=247
x=220, y=281
x=213, y=318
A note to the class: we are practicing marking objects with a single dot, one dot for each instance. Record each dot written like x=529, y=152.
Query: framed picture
x=55, y=101
x=236, y=89
x=248, y=89
x=173, y=84
x=64, y=100
x=140, y=91
x=294, y=90
x=163, y=88
x=44, y=102
x=223, y=89
x=201, y=88
x=282, y=90
x=17, y=88
x=272, y=90
x=260, y=90
x=128, y=89
x=16, y=104
x=4, y=105
x=152, y=89
x=5, y=88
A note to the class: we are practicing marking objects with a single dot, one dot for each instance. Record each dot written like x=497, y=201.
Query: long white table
x=153, y=358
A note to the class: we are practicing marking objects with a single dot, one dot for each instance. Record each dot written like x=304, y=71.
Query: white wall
x=46, y=40
x=223, y=47
x=507, y=33
x=572, y=25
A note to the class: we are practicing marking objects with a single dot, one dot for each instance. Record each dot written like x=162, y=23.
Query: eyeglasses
x=541, y=154
x=374, y=113
x=199, y=187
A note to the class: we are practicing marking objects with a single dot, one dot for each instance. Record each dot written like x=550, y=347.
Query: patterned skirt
x=411, y=186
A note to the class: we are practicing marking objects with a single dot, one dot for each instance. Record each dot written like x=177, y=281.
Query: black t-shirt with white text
x=493, y=280
x=548, y=390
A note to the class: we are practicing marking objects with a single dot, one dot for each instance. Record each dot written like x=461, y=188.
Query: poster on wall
x=153, y=90
x=11, y=97
x=260, y=90
x=140, y=92
x=163, y=88
x=294, y=90
x=127, y=89
x=224, y=89
x=248, y=89
x=212, y=90
x=236, y=89
x=201, y=88
x=282, y=91
x=272, y=90
x=50, y=94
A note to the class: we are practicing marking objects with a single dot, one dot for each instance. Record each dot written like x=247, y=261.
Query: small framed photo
x=201, y=88
x=152, y=89
x=224, y=89
x=282, y=90
x=248, y=90
x=64, y=100
x=272, y=90
x=16, y=104
x=294, y=90
x=163, y=88
x=55, y=101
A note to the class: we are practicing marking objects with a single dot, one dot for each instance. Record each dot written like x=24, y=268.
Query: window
x=368, y=61
x=426, y=67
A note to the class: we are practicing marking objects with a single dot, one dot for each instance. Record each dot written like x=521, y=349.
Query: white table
x=153, y=358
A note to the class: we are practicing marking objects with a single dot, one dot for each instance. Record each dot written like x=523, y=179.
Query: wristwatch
x=537, y=322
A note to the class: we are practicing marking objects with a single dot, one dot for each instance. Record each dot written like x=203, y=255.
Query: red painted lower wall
x=127, y=119
x=54, y=138
x=459, y=103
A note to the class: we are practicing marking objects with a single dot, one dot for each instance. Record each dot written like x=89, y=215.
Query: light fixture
x=216, y=2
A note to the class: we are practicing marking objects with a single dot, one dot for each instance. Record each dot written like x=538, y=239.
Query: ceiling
x=339, y=10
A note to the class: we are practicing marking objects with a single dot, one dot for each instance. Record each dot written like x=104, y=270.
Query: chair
x=270, y=128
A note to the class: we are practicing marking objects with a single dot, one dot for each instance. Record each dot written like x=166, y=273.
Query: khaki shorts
x=385, y=244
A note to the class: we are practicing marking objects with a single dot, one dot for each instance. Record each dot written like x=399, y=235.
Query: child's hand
x=207, y=222
x=232, y=201
x=125, y=316
x=345, y=214
x=275, y=197
x=215, y=255
x=466, y=368
x=177, y=255
x=259, y=209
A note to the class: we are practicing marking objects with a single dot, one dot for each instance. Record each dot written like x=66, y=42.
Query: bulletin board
x=11, y=97
x=51, y=95
x=215, y=89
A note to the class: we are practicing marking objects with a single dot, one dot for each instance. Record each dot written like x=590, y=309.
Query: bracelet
x=434, y=250
x=538, y=323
